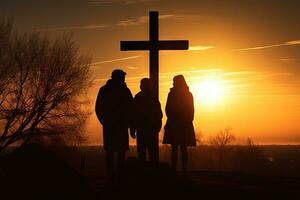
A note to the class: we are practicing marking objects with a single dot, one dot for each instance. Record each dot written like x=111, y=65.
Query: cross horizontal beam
x=154, y=45
x=173, y=44
x=135, y=45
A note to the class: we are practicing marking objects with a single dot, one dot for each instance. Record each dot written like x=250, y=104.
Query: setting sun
x=208, y=91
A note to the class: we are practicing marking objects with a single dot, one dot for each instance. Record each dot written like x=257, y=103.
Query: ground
x=36, y=173
x=200, y=184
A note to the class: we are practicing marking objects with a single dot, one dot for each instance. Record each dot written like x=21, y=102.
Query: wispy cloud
x=145, y=19
x=131, y=67
x=244, y=78
x=234, y=78
x=129, y=2
x=115, y=60
x=123, y=2
x=219, y=73
x=235, y=82
x=128, y=22
x=140, y=20
x=200, y=48
x=130, y=78
x=101, y=26
x=99, y=3
x=288, y=43
x=286, y=60
x=124, y=23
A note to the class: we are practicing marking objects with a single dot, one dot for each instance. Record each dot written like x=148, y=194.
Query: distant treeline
x=272, y=160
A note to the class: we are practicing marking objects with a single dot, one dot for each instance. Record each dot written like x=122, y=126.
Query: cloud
x=131, y=67
x=286, y=60
x=288, y=43
x=115, y=60
x=123, y=2
x=235, y=77
x=235, y=82
x=99, y=3
x=130, y=78
x=293, y=42
x=129, y=2
x=200, y=48
x=124, y=23
x=140, y=20
x=101, y=26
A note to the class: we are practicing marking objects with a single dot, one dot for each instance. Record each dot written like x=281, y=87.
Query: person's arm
x=99, y=107
x=168, y=108
x=157, y=116
x=191, y=108
x=159, y=111
x=133, y=120
x=131, y=111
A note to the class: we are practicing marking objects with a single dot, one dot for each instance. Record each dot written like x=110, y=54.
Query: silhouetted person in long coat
x=147, y=122
x=179, y=129
x=114, y=106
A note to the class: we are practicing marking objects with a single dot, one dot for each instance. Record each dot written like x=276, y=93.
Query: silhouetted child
x=179, y=129
x=147, y=122
x=114, y=107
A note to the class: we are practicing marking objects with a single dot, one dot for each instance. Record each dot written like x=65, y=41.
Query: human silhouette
x=179, y=129
x=114, y=106
x=147, y=122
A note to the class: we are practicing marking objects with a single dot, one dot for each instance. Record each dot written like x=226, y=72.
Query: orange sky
x=242, y=66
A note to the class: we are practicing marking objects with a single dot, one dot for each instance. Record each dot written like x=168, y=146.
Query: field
x=268, y=160
x=79, y=173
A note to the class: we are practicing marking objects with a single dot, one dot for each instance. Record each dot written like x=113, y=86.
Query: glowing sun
x=208, y=91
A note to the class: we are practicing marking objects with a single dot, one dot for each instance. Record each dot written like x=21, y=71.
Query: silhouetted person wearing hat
x=114, y=106
x=147, y=122
x=179, y=129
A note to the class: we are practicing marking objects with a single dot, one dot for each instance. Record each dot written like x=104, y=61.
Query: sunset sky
x=242, y=66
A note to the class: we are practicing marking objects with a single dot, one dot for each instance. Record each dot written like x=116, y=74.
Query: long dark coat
x=179, y=129
x=114, y=106
x=147, y=115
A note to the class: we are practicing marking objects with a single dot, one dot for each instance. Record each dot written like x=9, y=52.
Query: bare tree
x=43, y=86
x=221, y=141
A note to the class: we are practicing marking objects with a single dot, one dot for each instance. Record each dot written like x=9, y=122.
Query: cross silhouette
x=154, y=45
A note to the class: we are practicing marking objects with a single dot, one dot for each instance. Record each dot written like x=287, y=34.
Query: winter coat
x=114, y=107
x=179, y=129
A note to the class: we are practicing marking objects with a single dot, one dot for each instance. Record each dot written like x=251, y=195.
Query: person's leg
x=141, y=149
x=120, y=161
x=174, y=153
x=153, y=148
x=184, y=156
x=156, y=147
x=110, y=164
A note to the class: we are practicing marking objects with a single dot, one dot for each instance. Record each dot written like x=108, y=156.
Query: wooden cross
x=154, y=45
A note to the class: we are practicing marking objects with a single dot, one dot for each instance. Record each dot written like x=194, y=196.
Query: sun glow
x=208, y=91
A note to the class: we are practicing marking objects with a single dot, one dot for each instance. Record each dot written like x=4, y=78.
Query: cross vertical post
x=153, y=57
